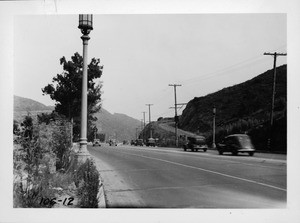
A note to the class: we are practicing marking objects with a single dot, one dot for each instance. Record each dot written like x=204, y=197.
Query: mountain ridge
x=117, y=125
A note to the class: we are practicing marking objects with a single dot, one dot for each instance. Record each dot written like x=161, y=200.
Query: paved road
x=142, y=177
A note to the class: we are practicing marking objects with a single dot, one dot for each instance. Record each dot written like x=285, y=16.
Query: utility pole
x=136, y=133
x=176, y=116
x=149, y=111
x=274, y=83
x=273, y=93
x=142, y=130
x=144, y=118
x=144, y=126
x=214, y=127
x=150, y=119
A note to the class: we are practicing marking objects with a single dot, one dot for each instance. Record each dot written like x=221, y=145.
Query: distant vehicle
x=139, y=142
x=150, y=142
x=112, y=142
x=195, y=143
x=237, y=143
x=96, y=142
x=132, y=142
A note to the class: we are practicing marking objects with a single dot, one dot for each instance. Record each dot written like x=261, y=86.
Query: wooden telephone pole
x=150, y=119
x=274, y=83
x=176, y=116
x=273, y=93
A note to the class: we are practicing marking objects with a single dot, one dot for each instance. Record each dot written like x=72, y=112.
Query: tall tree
x=66, y=89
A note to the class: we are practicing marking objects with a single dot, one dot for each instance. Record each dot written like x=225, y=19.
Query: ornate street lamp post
x=85, y=25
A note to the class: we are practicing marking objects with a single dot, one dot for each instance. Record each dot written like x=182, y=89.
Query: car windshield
x=245, y=141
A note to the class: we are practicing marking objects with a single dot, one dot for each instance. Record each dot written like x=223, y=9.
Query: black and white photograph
x=166, y=114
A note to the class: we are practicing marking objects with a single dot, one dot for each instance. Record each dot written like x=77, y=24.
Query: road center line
x=209, y=171
x=228, y=161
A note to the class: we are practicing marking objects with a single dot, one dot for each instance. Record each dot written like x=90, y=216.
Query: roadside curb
x=101, y=194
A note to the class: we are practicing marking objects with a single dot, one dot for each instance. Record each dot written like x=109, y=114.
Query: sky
x=143, y=53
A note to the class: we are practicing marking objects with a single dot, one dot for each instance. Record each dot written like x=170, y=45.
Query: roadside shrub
x=87, y=182
x=34, y=162
x=29, y=192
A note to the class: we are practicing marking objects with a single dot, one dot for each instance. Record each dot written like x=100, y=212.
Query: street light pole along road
x=86, y=25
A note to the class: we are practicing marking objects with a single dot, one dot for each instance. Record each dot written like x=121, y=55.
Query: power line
x=221, y=72
x=226, y=69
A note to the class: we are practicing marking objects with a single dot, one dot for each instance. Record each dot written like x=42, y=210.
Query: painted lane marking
x=208, y=156
x=209, y=171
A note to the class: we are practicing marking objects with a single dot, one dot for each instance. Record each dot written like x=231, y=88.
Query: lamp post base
x=83, y=154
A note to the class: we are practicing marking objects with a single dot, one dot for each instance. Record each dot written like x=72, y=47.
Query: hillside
x=240, y=108
x=26, y=104
x=251, y=99
x=116, y=125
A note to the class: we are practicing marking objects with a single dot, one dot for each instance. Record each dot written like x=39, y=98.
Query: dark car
x=195, y=143
x=150, y=142
x=237, y=143
x=139, y=142
x=112, y=142
x=96, y=142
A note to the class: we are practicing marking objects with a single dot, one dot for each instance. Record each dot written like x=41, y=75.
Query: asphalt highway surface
x=154, y=177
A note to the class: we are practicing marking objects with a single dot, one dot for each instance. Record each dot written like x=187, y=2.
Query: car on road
x=132, y=142
x=112, y=142
x=195, y=143
x=139, y=142
x=237, y=143
x=151, y=142
x=96, y=142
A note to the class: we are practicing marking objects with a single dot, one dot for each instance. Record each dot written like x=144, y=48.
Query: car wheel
x=204, y=150
x=220, y=152
x=251, y=153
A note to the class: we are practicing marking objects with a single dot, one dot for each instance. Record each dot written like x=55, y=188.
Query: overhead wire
x=223, y=71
